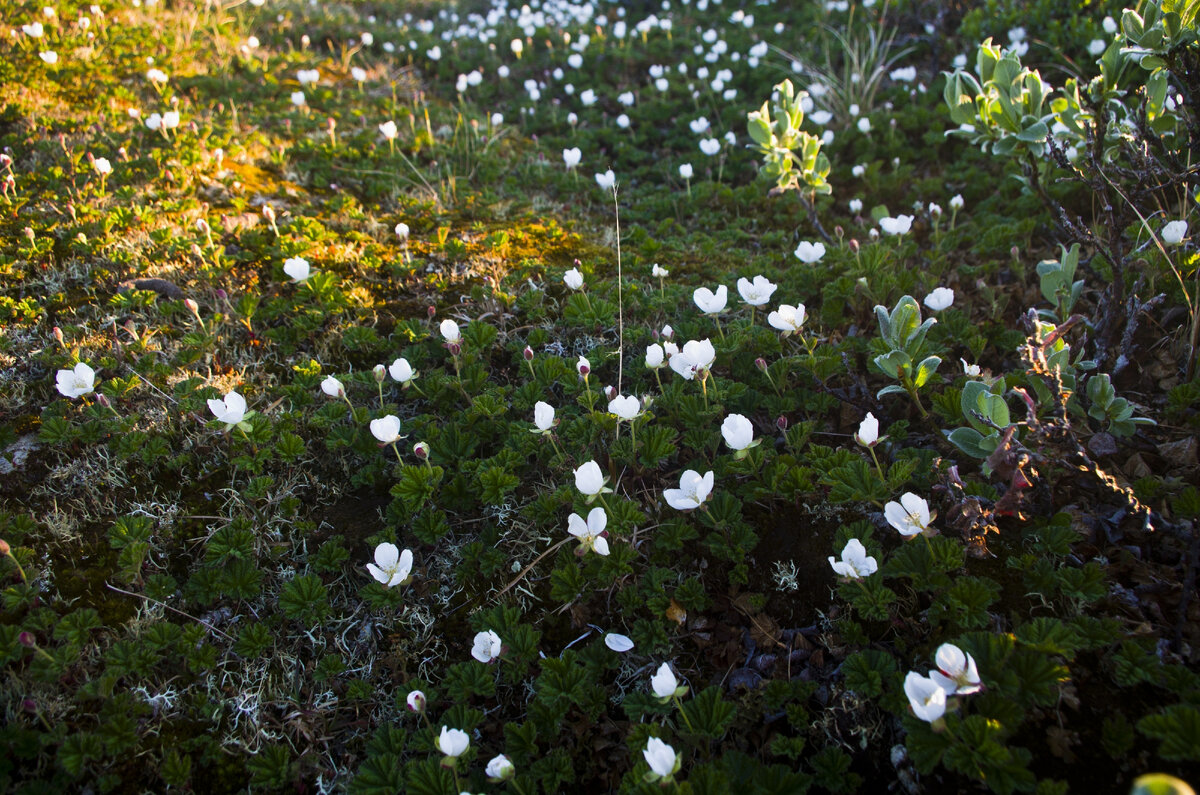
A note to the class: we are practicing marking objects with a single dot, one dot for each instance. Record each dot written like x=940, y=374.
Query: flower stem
x=878, y=468
x=683, y=714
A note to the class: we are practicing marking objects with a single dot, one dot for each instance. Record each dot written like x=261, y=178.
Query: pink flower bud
x=421, y=450
x=5, y=549
x=839, y=232
x=761, y=364
x=26, y=639
x=454, y=348
x=192, y=306
x=268, y=212
x=221, y=294
x=431, y=311
x=102, y=399
x=58, y=335
x=527, y=353
x=854, y=245
x=781, y=422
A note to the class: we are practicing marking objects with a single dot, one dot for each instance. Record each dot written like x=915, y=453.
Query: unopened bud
x=5, y=161
x=781, y=422
x=29, y=705
x=268, y=212
x=29, y=233
x=192, y=306
x=527, y=353
x=332, y=123
x=202, y=225
x=5, y=549
x=421, y=450
x=854, y=245
x=26, y=639
x=221, y=294
x=431, y=311
x=197, y=251
x=1015, y=253
x=380, y=373
x=610, y=392
x=761, y=364
x=58, y=336
x=103, y=400
x=838, y=232
x=454, y=348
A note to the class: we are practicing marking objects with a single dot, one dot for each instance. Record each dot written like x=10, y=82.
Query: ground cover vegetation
x=681, y=396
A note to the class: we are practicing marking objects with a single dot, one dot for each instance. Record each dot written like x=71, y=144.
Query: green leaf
x=1178, y=729
x=709, y=714
x=866, y=671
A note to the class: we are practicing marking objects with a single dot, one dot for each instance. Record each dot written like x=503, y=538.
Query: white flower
x=809, y=253
x=625, y=407
x=1174, y=232
x=449, y=330
x=905, y=74
x=685, y=171
x=864, y=125
x=663, y=683
x=711, y=303
x=693, y=490
x=307, y=76
x=935, y=209
x=926, y=697
x=695, y=359
x=788, y=319
x=607, y=180
x=969, y=369
x=298, y=99
x=659, y=272
x=618, y=643
x=49, y=56
x=855, y=562
x=80, y=381
x=391, y=567
x=332, y=387
x=661, y=758
x=1110, y=25
x=486, y=647
x=956, y=672
x=699, y=126
x=868, y=431
x=297, y=268
x=583, y=366
x=956, y=201
x=820, y=117
x=157, y=76
x=941, y=298
x=33, y=30
x=402, y=371
x=358, y=75
x=386, y=429
x=590, y=480
x=591, y=532
x=543, y=416
x=858, y=170
x=453, y=742
x=231, y=410
x=571, y=157
x=434, y=53
x=757, y=292
x=910, y=516
x=1096, y=47
x=416, y=701
x=102, y=166
x=710, y=146
x=402, y=230
x=738, y=432
x=500, y=768
x=573, y=279
x=654, y=356
x=896, y=226
x=389, y=130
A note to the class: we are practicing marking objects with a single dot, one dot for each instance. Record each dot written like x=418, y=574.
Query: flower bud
x=853, y=245
x=102, y=399
x=58, y=335
x=527, y=353
x=192, y=306
x=29, y=705
x=26, y=639
x=421, y=450
x=454, y=348
x=29, y=233
x=1015, y=253
x=431, y=311
x=380, y=373
x=781, y=422
x=416, y=701
x=269, y=213
x=761, y=364
x=202, y=225
x=838, y=232
x=5, y=549
x=221, y=294
x=196, y=251
x=610, y=392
